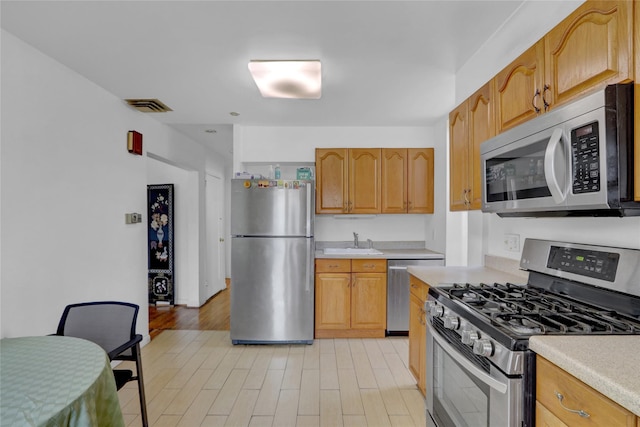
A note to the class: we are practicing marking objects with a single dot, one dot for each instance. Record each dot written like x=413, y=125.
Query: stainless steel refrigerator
x=272, y=258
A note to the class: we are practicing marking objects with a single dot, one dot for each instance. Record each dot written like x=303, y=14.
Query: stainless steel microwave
x=574, y=160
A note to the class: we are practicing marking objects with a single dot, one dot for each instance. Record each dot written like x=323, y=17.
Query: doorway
x=215, y=258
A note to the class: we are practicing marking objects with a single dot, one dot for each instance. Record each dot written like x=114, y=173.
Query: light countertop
x=390, y=254
x=389, y=250
x=446, y=275
x=609, y=364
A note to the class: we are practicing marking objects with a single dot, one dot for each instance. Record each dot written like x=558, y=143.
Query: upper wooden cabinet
x=348, y=180
x=364, y=180
x=469, y=125
x=588, y=50
x=518, y=89
x=374, y=180
x=407, y=180
x=332, y=180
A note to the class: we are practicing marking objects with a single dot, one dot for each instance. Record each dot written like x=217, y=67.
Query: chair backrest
x=109, y=324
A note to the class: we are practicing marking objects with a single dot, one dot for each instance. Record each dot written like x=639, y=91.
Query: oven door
x=460, y=393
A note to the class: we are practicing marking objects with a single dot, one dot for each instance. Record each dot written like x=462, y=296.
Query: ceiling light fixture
x=287, y=79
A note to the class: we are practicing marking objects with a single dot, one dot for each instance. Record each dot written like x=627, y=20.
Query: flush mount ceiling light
x=287, y=79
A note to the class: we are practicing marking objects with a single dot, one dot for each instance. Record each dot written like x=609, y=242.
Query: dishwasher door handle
x=398, y=268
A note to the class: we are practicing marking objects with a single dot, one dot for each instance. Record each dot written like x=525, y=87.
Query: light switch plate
x=132, y=218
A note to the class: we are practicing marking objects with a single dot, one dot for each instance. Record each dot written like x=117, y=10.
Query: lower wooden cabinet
x=418, y=331
x=560, y=396
x=351, y=298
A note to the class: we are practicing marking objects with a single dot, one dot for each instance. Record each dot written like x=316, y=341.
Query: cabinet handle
x=546, y=104
x=575, y=411
x=533, y=101
x=466, y=197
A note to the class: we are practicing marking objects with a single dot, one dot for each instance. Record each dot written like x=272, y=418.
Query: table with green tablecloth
x=56, y=381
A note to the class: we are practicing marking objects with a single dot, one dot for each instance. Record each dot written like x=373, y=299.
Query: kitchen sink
x=351, y=251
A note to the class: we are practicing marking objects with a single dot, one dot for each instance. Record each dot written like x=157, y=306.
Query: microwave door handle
x=549, y=167
x=464, y=362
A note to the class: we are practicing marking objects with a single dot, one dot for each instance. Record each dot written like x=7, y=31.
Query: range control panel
x=585, y=150
x=590, y=263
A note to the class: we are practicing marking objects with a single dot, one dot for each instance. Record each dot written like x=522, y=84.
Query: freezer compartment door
x=272, y=292
x=285, y=209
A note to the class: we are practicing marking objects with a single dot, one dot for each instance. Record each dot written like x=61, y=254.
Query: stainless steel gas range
x=480, y=371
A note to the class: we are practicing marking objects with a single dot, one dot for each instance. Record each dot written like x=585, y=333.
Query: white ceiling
x=384, y=63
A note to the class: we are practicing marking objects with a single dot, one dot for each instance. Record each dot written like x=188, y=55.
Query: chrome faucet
x=355, y=239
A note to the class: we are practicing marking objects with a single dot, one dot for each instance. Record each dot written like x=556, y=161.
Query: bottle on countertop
x=277, y=171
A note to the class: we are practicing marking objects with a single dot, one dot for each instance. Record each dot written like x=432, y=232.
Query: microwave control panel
x=585, y=150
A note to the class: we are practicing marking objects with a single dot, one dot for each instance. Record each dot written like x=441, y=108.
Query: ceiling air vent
x=148, y=105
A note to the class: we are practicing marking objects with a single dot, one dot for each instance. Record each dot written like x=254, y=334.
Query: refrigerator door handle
x=309, y=213
x=310, y=265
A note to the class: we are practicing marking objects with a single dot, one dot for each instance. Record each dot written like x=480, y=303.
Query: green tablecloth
x=56, y=381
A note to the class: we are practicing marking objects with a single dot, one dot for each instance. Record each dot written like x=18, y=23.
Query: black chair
x=111, y=325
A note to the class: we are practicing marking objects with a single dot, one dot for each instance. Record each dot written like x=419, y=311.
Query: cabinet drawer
x=577, y=395
x=418, y=288
x=369, y=265
x=333, y=265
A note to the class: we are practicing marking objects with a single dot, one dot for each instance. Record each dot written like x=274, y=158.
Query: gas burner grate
x=529, y=310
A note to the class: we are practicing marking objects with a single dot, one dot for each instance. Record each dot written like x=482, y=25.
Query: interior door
x=214, y=266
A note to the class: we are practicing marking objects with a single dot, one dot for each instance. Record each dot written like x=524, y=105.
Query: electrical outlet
x=512, y=242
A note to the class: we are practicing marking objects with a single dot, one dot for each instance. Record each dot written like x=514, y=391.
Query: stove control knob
x=451, y=322
x=437, y=311
x=483, y=348
x=469, y=337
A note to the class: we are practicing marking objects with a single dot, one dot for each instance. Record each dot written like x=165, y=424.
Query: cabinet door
x=333, y=300
x=394, y=180
x=369, y=301
x=420, y=180
x=415, y=325
x=481, y=127
x=364, y=180
x=422, y=356
x=459, y=157
x=518, y=89
x=544, y=417
x=331, y=180
x=636, y=55
x=588, y=50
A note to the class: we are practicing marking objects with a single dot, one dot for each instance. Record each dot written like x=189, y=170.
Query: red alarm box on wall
x=134, y=142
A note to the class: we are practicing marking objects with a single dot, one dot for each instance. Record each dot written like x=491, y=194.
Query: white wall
x=255, y=146
x=485, y=232
x=67, y=181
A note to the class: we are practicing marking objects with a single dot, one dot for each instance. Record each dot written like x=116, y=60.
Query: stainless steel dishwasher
x=398, y=292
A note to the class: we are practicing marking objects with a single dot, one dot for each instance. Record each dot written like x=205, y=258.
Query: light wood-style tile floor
x=198, y=378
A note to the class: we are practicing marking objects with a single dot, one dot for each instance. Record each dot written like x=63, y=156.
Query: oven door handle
x=462, y=361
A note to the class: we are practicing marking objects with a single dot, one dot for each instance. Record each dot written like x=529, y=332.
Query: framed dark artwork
x=160, y=243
